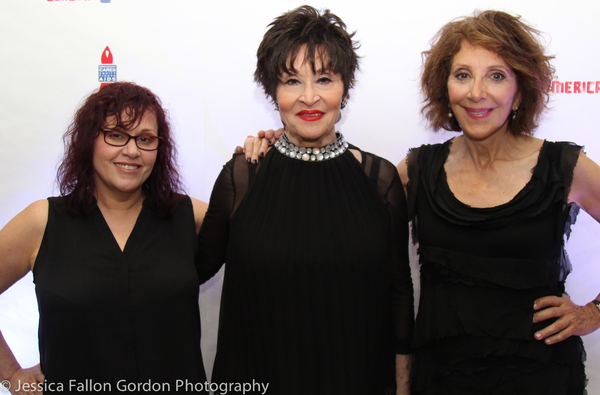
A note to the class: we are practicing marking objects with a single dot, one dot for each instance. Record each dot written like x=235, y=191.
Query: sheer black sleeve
x=229, y=190
x=390, y=188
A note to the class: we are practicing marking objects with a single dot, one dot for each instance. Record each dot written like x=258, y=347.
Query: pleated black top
x=317, y=294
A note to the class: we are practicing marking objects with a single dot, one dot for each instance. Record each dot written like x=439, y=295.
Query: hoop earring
x=344, y=103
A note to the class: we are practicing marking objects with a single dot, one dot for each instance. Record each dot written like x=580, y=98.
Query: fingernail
x=262, y=154
x=270, y=142
x=254, y=162
x=538, y=336
x=249, y=160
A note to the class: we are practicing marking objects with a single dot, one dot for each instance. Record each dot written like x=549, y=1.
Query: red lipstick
x=310, y=115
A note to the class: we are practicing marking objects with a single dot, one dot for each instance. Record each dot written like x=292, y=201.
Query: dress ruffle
x=481, y=270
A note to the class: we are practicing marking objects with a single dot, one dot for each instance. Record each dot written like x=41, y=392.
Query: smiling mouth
x=127, y=167
x=478, y=112
x=310, y=115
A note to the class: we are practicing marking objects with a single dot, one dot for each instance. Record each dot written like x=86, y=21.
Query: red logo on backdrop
x=575, y=87
x=107, y=72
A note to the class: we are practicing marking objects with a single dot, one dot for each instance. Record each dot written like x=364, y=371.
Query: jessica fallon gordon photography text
x=149, y=386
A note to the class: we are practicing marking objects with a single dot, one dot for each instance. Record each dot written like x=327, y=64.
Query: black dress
x=111, y=319
x=481, y=270
x=317, y=294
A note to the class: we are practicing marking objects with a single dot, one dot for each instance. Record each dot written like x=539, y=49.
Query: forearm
x=8, y=362
x=403, y=373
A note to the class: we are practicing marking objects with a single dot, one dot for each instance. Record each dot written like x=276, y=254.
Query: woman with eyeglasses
x=113, y=258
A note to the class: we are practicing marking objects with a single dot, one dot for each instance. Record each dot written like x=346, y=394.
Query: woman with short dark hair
x=328, y=307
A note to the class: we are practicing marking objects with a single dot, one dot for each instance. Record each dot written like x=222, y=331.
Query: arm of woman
x=20, y=241
x=200, y=208
x=402, y=286
x=573, y=320
x=403, y=172
x=214, y=233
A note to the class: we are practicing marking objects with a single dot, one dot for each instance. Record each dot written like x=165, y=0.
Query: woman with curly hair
x=328, y=308
x=113, y=258
x=491, y=209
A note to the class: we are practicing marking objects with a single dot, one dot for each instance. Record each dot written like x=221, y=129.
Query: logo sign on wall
x=575, y=87
x=107, y=71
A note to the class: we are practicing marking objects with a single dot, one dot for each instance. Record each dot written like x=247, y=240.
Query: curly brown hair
x=512, y=39
x=325, y=37
x=128, y=102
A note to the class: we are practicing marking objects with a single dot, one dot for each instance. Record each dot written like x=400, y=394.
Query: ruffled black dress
x=317, y=293
x=481, y=270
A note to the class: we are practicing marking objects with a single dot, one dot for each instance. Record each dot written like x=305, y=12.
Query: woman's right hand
x=26, y=381
x=257, y=147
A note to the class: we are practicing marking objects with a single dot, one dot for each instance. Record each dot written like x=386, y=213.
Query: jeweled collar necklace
x=312, y=154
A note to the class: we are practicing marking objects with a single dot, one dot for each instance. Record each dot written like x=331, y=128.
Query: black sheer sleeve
x=228, y=192
x=390, y=188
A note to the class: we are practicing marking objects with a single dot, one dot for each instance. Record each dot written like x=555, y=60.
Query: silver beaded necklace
x=312, y=154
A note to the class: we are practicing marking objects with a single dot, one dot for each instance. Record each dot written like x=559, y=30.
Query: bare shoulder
x=20, y=241
x=403, y=171
x=585, y=188
x=33, y=219
x=200, y=208
x=357, y=154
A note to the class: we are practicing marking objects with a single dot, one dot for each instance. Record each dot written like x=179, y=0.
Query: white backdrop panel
x=199, y=57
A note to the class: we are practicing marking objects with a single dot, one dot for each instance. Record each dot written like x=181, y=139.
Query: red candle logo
x=107, y=57
x=107, y=72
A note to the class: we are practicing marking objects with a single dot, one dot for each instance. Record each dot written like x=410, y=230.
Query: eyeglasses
x=145, y=142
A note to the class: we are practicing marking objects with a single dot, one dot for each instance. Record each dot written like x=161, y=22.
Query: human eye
x=498, y=76
x=324, y=80
x=291, y=81
x=115, y=136
x=146, y=140
x=461, y=75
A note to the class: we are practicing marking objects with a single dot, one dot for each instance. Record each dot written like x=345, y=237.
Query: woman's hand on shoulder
x=200, y=208
x=572, y=319
x=256, y=147
x=27, y=381
x=20, y=241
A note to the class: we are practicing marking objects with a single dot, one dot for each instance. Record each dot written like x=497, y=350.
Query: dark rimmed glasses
x=145, y=142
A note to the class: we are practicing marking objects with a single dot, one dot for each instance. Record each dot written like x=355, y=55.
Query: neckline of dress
x=523, y=190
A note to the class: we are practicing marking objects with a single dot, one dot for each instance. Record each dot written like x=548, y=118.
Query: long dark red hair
x=128, y=103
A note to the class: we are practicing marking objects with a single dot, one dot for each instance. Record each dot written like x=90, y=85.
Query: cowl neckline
x=542, y=191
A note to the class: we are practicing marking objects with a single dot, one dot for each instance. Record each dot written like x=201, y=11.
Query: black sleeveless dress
x=481, y=270
x=112, y=319
x=317, y=294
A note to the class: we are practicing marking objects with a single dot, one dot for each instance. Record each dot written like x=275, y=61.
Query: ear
x=516, y=101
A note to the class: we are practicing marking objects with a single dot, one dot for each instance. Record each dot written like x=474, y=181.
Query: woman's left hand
x=573, y=320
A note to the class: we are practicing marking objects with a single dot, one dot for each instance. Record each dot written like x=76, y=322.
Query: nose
x=310, y=94
x=478, y=91
x=131, y=149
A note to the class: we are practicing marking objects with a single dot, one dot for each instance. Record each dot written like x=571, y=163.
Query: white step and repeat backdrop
x=199, y=57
